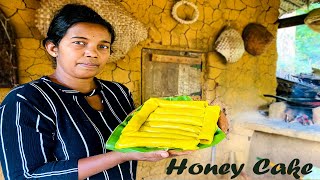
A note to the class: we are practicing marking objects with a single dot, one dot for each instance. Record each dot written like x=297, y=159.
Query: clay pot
x=256, y=38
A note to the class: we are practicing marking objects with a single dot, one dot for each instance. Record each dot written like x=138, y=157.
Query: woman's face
x=83, y=51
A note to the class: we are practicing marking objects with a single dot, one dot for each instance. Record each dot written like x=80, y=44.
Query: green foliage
x=307, y=48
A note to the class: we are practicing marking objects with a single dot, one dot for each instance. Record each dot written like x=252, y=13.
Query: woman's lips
x=89, y=65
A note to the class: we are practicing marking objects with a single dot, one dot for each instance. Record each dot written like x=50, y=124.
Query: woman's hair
x=69, y=15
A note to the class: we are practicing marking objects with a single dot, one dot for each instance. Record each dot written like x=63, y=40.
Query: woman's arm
x=96, y=164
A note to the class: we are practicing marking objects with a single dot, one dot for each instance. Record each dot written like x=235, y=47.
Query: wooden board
x=176, y=59
x=171, y=73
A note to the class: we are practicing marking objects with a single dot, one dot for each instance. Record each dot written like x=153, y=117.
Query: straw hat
x=129, y=31
x=230, y=45
x=313, y=20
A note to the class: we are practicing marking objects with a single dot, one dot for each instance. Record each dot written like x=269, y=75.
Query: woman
x=56, y=127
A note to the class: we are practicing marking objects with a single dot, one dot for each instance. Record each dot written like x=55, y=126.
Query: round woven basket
x=129, y=31
x=230, y=45
x=256, y=38
x=313, y=20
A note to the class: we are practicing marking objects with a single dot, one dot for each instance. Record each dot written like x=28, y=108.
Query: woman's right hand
x=154, y=156
x=95, y=164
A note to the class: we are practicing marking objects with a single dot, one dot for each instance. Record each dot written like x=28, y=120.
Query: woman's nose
x=91, y=52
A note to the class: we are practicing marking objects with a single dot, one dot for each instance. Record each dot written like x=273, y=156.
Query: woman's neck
x=81, y=85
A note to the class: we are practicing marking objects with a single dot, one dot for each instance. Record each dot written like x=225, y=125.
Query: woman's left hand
x=223, y=123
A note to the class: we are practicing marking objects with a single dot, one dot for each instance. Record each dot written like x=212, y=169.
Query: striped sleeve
x=27, y=139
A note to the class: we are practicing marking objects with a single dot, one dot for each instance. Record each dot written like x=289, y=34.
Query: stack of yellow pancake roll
x=171, y=124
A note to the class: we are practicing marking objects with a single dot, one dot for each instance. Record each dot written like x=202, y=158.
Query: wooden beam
x=291, y=21
x=176, y=59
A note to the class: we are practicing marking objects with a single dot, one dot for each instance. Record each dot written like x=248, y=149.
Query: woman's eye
x=79, y=42
x=105, y=47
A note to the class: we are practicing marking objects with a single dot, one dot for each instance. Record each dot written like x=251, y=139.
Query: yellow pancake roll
x=171, y=124
x=140, y=117
x=131, y=141
x=170, y=131
x=158, y=135
x=182, y=104
x=180, y=111
x=172, y=118
x=210, y=126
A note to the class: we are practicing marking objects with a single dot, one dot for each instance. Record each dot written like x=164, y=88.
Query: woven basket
x=313, y=20
x=256, y=38
x=129, y=31
x=230, y=45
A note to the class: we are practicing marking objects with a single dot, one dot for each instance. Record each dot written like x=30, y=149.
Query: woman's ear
x=52, y=49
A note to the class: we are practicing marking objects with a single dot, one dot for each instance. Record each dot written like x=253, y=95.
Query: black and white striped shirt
x=46, y=128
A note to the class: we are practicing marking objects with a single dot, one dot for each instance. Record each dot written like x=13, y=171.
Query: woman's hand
x=179, y=153
x=154, y=156
x=95, y=164
x=223, y=123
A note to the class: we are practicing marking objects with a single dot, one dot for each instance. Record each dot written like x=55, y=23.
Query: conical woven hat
x=313, y=20
x=129, y=31
x=230, y=45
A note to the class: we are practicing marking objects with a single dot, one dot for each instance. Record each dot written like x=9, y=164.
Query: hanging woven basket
x=230, y=45
x=129, y=31
x=256, y=38
x=313, y=20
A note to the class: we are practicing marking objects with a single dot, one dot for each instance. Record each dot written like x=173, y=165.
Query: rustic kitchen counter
x=278, y=141
x=257, y=122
